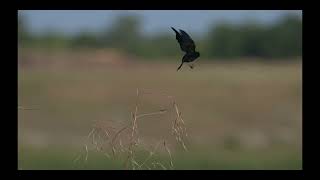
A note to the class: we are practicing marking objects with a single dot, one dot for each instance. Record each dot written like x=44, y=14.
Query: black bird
x=187, y=45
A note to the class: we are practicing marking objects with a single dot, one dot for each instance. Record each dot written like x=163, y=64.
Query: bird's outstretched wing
x=186, y=43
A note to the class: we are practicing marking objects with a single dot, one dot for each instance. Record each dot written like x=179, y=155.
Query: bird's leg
x=191, y=66
x=180, y=66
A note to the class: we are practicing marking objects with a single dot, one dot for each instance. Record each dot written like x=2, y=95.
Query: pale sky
x=195, y=21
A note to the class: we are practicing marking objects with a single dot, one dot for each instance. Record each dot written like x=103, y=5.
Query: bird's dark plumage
x=187, y=45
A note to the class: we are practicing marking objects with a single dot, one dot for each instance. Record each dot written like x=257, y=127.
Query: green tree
x=223, y=41
x=161, y=45
x=23, y=32
x=86, y=39
x=124, y=34
x=51, y=40
x=284, y=39
x=281, y=40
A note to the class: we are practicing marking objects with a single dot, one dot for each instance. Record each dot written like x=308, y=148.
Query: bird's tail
x=180, y=66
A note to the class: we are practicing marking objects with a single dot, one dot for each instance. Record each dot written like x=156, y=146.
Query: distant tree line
x=279, y=40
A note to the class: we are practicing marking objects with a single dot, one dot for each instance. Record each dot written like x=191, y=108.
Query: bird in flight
x=187, y=45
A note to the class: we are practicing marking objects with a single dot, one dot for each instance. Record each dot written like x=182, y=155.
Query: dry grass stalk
x=125, y=141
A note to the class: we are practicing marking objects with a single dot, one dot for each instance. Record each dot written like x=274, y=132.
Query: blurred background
x=242, y=103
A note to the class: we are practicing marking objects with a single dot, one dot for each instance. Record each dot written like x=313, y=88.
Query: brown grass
x=238, y=106
x=114, y=137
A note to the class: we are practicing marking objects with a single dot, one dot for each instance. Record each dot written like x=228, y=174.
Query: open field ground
x=239, y=115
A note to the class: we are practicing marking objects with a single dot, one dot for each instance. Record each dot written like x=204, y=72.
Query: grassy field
x=238, y=115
